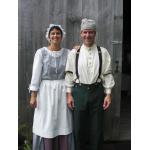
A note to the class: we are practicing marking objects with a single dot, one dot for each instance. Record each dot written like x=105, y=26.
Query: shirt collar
x=89, y=48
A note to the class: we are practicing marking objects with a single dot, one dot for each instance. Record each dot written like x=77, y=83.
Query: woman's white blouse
x=48, y=65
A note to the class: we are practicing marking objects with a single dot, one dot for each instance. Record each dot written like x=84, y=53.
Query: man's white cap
x=88, y=24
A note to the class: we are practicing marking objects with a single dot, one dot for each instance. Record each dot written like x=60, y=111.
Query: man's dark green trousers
x=88, y=116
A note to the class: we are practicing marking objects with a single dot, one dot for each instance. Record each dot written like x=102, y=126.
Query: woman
x=52, y=118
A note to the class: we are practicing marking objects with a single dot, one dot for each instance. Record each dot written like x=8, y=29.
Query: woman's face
x=55, y=36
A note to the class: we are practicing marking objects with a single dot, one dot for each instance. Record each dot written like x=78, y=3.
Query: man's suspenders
x=100, y=62
x=76, y=63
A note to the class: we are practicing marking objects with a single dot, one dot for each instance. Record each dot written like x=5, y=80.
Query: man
x=89, y=82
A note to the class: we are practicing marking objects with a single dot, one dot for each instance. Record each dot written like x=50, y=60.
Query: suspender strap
x=68, y=72
x=76, y=62
x=100, y=61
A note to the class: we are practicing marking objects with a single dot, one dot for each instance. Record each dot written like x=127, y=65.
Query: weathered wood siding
x=36, y=15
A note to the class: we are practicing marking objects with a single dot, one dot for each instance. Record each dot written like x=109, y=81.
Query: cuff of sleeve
x=33, y=88
x=68, y=90
x=107, y=91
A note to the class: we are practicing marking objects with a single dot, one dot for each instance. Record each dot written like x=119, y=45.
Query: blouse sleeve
x=36, y=72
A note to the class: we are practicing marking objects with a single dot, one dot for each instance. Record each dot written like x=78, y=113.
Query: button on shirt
x=88, y=68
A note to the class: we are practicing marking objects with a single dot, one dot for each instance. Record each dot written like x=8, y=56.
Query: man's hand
x=107, y=101
x=76, y=47
x=70, y=101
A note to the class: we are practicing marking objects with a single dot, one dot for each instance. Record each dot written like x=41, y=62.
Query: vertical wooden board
x=24, y=22
x=44, y=13
x=100, y=35
x=90, y=9
x=77, y=16
x=106, y=23
x=69, y=25
x=20, y=83
x=93, y=10
x=76, y=33
x=117, y=44
x=74, y=16
x=19, y=26
x=104, y=38
x=58, y=14
x=38, y=14
x=70, y=35
x=23, y=97
x=117, y=64
x=93, y=13
x=77, y=12
x=85, y=8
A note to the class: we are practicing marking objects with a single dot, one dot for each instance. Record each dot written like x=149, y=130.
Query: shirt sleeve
x=36, y=72
x=107, y=77
x=69, y=72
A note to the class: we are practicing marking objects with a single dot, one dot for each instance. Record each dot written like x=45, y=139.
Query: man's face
x=88, y=37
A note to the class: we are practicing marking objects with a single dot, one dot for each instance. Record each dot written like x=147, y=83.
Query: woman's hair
x=57, y=28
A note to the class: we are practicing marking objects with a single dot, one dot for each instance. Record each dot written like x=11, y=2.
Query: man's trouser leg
x=88, y=117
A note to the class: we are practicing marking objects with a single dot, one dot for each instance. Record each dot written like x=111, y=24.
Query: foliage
x=25, y=134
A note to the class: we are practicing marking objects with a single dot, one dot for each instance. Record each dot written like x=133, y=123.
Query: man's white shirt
x=88, y=68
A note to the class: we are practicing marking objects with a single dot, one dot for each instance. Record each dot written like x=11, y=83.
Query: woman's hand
x=33, y=101
x=107, y=101
x=70, y=101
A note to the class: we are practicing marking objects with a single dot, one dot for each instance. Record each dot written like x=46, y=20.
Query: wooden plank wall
x=117, y=65
x=35, y=16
